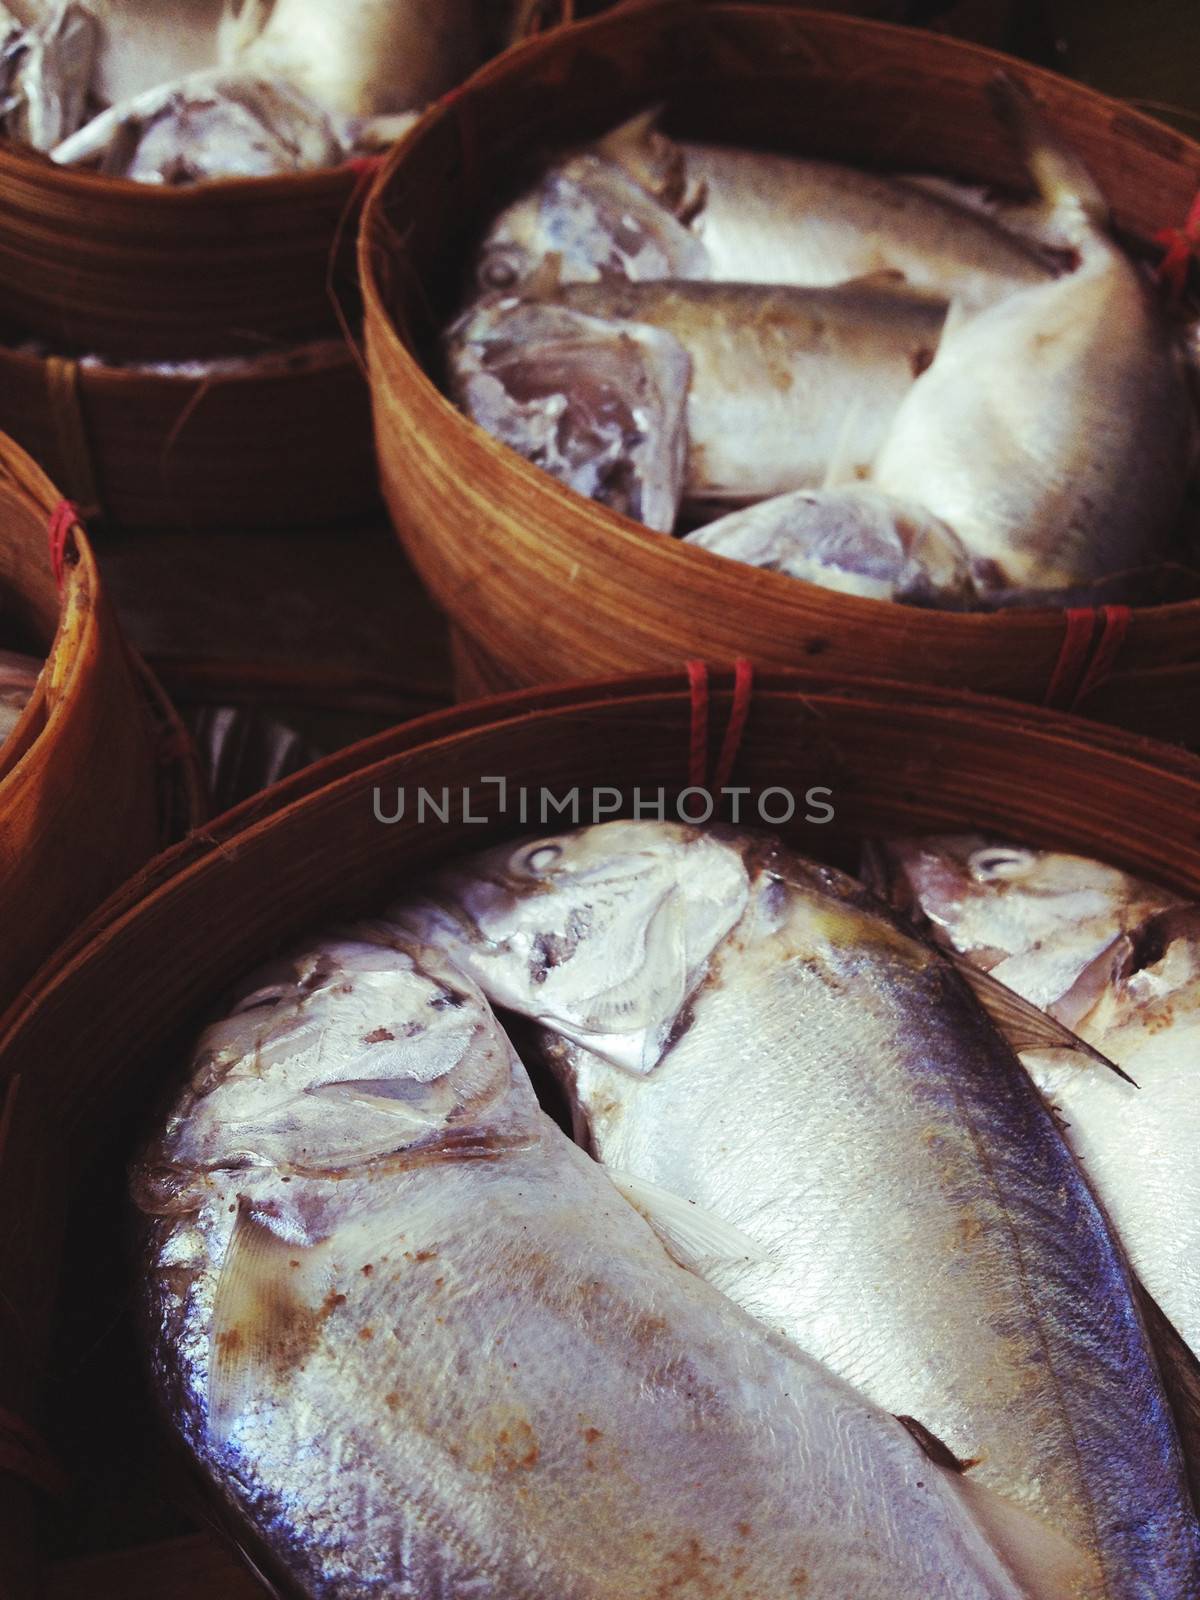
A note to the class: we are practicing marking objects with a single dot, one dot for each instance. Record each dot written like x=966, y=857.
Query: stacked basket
x=542, y=584
x=93, y=1045
x=97, y=775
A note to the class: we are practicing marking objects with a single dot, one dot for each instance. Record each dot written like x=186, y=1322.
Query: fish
x=851, y=539
x=600, y=404
x=143, y=46
x=1035, y=919
x=212, y=124
x=18, y=680
x=755, y=1034
x=758, y=217
x=1054, y=431
x=360, y=58
x=1117, y=960
x=596, y=221
x=421, y=1344
x=786, y=383
x=46, y=67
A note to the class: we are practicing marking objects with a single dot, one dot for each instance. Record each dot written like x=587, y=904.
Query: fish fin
x=1044, y=1561
x=1063, y=181
x=690, y=1232
x=654, y=161
x=1021, y=1023
x=1046, y=1564
x=1180, y=1370
x=258, y=1312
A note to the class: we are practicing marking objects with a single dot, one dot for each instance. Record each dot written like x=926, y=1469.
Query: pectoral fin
x=1045, y=1563
x=1022, y=1024
x=265, y=1316
x=690, y=1233
x=421, y=1105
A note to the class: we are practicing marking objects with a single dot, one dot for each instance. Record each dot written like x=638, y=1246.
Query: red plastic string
x=743, y=689
x=1182, y=246
x=698, y=742
x=62, y=519
x=1114, y=627
x=23, y=1454
x=1072, y=657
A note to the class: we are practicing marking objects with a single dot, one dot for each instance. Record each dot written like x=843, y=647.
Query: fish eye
x=540, y=858
x=995, y=864
x=499, y=270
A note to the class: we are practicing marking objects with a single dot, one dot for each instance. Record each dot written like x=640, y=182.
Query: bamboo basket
x=289, y=447
x=138, y=271
x=142, y=271
x=85, y=1053
x=97, y=774
x=549, y=585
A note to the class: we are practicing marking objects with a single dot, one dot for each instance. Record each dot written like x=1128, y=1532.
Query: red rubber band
x=1182, y=246
x=743, y=690
x=698, y=741
x=24, y=1454
x=62, y=519
x=1114, y=627
x=1072, y=658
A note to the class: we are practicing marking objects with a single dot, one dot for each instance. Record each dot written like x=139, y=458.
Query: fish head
x=347, y=1053
x=599, y=222
x=600, y=934
x=1034, y=918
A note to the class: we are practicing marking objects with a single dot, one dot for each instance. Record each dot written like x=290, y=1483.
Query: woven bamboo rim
x=88, y=787
x=84, y=1049
x=134, y=270
x=286, y=448
x=549, y=585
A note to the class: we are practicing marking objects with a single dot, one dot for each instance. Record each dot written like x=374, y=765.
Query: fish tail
x=1065, y=185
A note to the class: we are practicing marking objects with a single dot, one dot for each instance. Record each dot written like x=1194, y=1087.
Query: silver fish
x=18, y=680
x=598, y=404
x=596, y=221
x=1035, y=919
x=754, y=1034
x=212, y=124
x=46, y=71
x=1118, y=960
x=1054, y=431
x=852, y=539
x=786, y=383
x=423, y=1346
x=755, y=217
